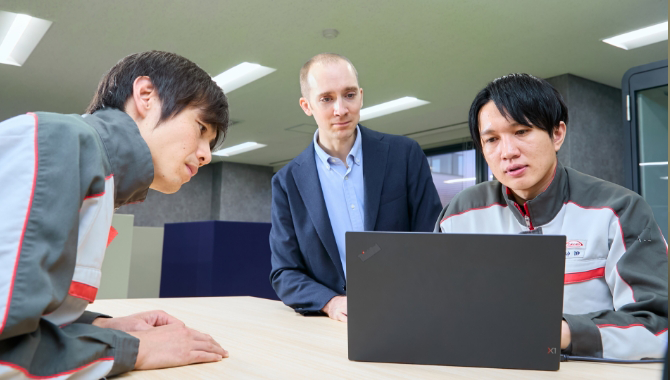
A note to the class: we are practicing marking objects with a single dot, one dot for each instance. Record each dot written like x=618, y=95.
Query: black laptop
x=455, y=299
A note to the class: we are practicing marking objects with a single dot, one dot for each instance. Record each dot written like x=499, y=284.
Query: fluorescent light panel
x=21, y=35
x=242, y=74
x=641, y=37
x=239, y=148
x=457, y=180
x=390, y=107
x=653, y=163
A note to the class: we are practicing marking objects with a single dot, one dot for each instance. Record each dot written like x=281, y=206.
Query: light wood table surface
x=266, y=339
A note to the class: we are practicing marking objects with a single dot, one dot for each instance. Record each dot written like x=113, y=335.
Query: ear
x=559, y=135
x=361, y=97
x=304, y=104
x=144, y=97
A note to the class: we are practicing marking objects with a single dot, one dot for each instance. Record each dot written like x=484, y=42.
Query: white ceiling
x=440, y=51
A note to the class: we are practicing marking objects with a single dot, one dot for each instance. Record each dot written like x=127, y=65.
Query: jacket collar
x=127, y=153
x=543, y=208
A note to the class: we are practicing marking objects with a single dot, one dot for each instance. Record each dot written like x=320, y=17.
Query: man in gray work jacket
x=616, y=273
x=152, y=123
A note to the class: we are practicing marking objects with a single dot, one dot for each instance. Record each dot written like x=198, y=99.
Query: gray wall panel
x=594, y=143
x=246, y=193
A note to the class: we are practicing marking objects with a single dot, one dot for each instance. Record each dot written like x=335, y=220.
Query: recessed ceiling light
x=390, y=107
x=641, y=37
x=240, y=75
x=330, y=33
x=22, y=36
x=237, y=149
x=460, y=180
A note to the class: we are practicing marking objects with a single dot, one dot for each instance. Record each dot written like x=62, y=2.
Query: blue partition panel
x=216, y=258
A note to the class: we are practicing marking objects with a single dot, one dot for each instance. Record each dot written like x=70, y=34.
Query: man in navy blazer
x=349, y=179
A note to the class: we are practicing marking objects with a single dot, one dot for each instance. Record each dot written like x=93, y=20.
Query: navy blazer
x=399, y=196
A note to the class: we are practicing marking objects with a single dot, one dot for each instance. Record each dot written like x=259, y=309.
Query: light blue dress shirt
x=343, y=191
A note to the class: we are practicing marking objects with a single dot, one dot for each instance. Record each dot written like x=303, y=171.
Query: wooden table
x=266, y=339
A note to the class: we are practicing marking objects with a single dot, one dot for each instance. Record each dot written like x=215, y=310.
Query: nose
x=509, y=148
x=339, y=108
x=204, y=154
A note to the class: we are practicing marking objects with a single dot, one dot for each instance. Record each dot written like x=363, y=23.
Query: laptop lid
x=455, y=299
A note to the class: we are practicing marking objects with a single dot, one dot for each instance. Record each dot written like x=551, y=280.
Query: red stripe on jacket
x=30, y=376
x=571, y=278
x=83, y=291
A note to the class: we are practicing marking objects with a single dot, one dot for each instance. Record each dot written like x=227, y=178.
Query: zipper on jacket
x=529, y=224
x=526, y=215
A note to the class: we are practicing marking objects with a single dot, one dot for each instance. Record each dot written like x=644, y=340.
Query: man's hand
x=174, y=345
x=138, y=322
x=565, y=335
x=336, y=308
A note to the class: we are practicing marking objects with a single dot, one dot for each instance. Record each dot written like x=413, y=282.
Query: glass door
x=645, y=92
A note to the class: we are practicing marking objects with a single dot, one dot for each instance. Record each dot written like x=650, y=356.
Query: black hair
x=179, y=83
x=527, y=100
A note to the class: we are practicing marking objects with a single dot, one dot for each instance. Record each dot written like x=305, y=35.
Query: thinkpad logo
x=551, y=350
x=369, y=252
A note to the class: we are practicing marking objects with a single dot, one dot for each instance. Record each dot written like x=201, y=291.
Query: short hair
x=527, y=100
x=320, y=58
x=179, y=83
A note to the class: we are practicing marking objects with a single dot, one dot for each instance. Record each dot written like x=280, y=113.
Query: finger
x=203, y=357
x=159, y=318
x=166, y=319
x=342, y=317
x=197, y=335
x=209, y=347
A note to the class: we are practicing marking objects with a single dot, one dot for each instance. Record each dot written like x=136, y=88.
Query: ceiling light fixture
x=653, y=163
x=460, y=180
x=240, y=75
x=390, y=107
x=21, y=38
x=641, y=37
x=239, y=148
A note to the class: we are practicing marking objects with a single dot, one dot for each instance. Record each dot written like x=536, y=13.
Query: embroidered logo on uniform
x=575, y=249
x=577, y=244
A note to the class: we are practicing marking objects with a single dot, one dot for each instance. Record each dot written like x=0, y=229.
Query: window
x=454, y=168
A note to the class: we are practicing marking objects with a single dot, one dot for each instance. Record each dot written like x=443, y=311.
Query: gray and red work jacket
x=616, y=268
x=61, y=178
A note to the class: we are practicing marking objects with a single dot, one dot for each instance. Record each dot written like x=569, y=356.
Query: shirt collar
x=355, y=152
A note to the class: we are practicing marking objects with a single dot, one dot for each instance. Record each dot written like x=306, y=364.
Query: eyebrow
x=489, y=130
x=347, y=89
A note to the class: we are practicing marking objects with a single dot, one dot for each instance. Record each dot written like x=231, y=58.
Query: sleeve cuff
x=585, y=337
x=88, y=317
x=319, y=304
x=126, y=347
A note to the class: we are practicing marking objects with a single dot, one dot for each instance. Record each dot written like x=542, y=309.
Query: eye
x=522, y=132
x=351, y=95
x=325, y=99
x=490, y=140
x=203, y=129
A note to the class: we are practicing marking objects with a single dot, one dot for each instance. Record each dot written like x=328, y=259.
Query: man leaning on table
x=151, y=124
x=616, y=273
x=349, y=179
